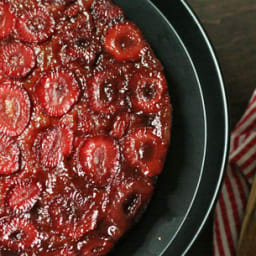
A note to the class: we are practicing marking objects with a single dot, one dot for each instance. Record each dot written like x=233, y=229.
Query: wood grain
x=231, y=27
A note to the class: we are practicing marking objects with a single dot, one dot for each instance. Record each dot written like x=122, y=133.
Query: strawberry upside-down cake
x=85, y=121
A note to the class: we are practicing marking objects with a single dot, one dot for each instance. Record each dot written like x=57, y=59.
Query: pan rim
x=205, y=125
x=227, y=122
x=225, y=108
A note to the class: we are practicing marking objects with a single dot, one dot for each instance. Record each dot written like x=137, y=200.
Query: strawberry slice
x=20, y=5
x=106, y=11
x=36, y=25
x=18, y=234
x=147, y=89
x=14, y=109
x=150, y=61
x=121, y=124
x=80, y=49
x=69, y=121
x=73, y=215
x=73, y=10
x=52, y=145
x=106, y=92
x=57, y=92
x=99, y=157
x=4, y=187
x=23, y=196
x=124, y=42
x=7, y=20
x=17, y=59
x=144, y=150
x=77, y=8
x=57, y=7
x=81, y=26
x=97, y=247
x=80, y=41
x=130, y=201
x=86, y=123
x=67, y=141
x=95, y=124
x=9, y=156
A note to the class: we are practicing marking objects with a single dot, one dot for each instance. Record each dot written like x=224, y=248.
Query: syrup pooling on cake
x=85, y=121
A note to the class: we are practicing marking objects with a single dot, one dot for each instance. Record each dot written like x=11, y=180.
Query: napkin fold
x=231, y=205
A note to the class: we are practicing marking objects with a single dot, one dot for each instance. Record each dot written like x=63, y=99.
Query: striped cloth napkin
x=241, y=170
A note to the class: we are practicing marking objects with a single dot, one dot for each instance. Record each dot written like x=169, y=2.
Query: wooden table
x=231, y=26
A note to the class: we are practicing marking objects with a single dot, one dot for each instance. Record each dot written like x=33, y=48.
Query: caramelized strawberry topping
x=85, y=122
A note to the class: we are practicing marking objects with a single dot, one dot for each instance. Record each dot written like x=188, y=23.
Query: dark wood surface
x=231, y=25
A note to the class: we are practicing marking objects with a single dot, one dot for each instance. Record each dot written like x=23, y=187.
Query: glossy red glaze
x=84, y=128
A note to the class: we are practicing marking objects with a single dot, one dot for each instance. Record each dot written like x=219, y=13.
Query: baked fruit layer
x=85, y=120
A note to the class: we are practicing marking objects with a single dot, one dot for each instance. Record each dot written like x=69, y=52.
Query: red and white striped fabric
x=241, y=170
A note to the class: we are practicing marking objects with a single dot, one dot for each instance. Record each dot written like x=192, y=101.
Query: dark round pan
x=188, y=187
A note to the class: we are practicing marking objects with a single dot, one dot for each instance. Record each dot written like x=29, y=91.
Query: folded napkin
x=233, y=197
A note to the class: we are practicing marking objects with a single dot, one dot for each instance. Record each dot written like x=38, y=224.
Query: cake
x=85, y=119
